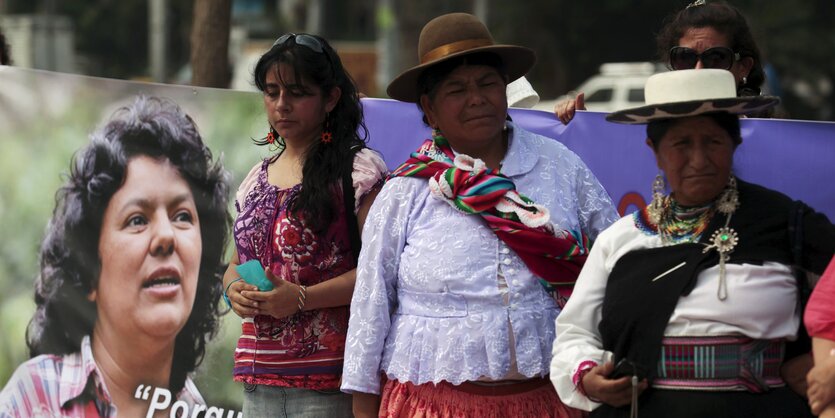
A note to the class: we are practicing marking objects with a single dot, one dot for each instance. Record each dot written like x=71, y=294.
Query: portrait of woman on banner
x=129, y=283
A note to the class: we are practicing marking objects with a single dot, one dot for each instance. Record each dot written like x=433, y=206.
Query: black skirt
x=657, y=403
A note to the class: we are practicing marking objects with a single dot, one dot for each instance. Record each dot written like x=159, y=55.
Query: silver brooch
x=724, y=240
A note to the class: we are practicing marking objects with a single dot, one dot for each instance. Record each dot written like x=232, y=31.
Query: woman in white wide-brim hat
x=683, y=309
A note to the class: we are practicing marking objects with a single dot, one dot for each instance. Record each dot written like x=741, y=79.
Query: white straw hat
x=683, y=93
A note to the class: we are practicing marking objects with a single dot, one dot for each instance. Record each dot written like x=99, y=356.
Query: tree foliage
x=210, y=43
x=112, y=36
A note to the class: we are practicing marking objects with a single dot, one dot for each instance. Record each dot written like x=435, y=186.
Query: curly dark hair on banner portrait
x=70, y=263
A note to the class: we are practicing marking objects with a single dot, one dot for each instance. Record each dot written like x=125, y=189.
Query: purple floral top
x=305, y=349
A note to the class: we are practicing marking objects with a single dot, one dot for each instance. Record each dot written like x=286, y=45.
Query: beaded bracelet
x=225, y=296
x=302, y=296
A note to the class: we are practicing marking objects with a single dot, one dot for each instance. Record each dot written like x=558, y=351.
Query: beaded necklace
x=684, y=224
x=680, y=224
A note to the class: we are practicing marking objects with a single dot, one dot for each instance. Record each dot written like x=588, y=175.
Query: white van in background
x=619, y=85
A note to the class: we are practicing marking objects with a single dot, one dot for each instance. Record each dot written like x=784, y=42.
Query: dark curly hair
x=726, y=20
x=69, y=257
x=325, y=164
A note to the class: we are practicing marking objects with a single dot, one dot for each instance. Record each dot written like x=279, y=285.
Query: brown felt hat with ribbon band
x=454, y=35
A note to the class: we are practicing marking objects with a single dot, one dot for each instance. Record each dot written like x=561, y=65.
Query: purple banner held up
x=794, y=157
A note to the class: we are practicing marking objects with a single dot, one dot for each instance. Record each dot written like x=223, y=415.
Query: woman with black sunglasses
x=713, y=35
x=702, y=35
x=297, y=233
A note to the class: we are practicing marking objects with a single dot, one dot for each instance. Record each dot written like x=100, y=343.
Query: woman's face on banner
x=150, y=250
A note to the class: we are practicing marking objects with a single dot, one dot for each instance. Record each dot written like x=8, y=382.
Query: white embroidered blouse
x=427, y=305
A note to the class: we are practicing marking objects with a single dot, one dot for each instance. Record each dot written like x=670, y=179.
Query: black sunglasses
x=719, y=57
x=301, y=39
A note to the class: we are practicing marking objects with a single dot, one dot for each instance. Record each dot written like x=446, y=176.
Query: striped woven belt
x=720, y=363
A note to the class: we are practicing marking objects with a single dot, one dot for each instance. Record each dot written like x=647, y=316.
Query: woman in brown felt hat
x=466, y=245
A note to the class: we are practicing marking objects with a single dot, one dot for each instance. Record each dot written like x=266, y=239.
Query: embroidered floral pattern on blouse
x=297, y=242
x=426, y=306
x=270, y=349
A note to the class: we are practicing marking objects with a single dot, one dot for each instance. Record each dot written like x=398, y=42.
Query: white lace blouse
x=428, y=305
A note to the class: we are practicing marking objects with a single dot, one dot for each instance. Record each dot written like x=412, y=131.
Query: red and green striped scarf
x=469, y=186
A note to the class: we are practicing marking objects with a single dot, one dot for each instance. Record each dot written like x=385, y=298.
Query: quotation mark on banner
x=140, y=394
x=161, y=401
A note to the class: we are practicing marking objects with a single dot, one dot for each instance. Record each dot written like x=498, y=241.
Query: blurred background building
x=159, y=39
x=44, y=42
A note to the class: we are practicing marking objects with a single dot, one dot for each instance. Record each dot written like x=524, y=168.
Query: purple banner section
x=794, y=157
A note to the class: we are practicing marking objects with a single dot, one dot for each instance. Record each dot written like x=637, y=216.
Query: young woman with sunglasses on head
x=702, y=35
x=299, y=215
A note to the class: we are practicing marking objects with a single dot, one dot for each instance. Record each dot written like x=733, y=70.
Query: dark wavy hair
x=69, y=256
x=5, y=58
x=726, y=20
x=730, y=123
x=325, y=163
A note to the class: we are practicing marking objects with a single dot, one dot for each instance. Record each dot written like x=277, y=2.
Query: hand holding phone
x=601, y=385
x=253, y=273
x=628, y=368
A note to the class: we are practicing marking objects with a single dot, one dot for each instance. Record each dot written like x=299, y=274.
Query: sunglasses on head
x=718, y=57
x=302, y=39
